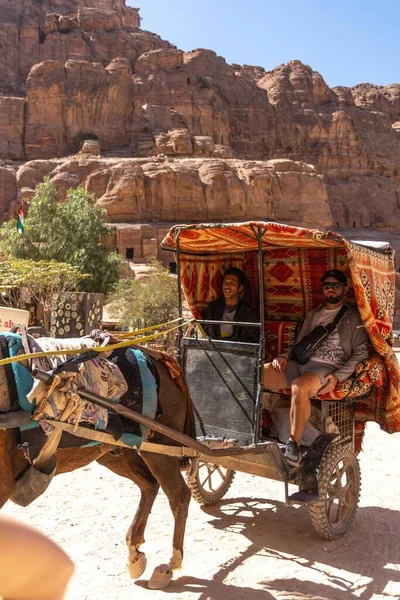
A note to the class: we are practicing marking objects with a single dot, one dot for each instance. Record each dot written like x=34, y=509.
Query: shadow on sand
x=276, y=531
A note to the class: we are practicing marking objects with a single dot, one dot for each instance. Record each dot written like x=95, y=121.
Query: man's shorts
x=294, y=369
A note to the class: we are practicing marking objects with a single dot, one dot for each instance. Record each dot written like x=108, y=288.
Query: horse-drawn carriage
x=227, y=398
x=284, y=266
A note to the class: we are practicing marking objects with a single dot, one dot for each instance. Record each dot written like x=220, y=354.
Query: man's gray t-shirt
x=330, y=351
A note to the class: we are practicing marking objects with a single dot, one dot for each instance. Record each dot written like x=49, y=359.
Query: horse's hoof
x=138, y=567
x=161, y=577
x=176, y=559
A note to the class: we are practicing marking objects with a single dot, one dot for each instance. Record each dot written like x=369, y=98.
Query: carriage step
x=302, y=497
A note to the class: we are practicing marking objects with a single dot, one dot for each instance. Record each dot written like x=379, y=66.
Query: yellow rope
x=131, y=334
x=22, y=357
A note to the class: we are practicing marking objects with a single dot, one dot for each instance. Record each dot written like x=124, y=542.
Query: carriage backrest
x=292, y=285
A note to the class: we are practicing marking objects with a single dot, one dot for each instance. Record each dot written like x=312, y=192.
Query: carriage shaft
x=128, y=413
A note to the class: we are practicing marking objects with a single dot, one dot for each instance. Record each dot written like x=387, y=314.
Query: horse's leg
x=130, y=465
x=166, y=469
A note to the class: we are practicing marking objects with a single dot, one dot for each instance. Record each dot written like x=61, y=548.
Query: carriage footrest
x=302, y=497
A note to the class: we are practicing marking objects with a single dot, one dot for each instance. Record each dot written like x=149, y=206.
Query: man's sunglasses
x=334, y=286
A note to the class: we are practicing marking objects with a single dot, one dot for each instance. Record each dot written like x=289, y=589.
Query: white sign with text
x=11, y=316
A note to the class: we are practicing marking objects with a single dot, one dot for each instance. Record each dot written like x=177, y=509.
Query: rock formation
x=184, y=135
x=190, y=189
x=92, y=30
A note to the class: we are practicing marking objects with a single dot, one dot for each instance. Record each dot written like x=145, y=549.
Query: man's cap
x=336, y=274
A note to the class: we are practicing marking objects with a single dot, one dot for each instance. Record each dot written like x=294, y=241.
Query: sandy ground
x=249, y=546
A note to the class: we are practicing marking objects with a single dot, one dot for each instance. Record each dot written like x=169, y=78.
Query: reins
x=127, y=339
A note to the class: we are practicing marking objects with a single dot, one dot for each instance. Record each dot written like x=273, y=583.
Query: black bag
x=305, y=349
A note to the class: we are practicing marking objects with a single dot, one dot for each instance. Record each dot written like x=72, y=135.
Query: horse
x=147, y=470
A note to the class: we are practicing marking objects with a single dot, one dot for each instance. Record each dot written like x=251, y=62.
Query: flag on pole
x=20, y=221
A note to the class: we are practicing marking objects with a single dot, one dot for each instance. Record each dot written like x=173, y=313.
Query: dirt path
x=249, y=547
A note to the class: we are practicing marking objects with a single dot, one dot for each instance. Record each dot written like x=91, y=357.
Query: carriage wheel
x=210, y=482
x=339, y=484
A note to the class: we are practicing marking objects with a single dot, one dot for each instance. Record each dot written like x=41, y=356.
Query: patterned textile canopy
x=294, y=259
x=242, y=237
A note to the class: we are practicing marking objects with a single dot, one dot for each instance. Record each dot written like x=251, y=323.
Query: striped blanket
x=128, y=376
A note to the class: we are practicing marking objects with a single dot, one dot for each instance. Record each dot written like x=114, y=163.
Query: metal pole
x=261, y=298
x=261, y=348
x=178, y=269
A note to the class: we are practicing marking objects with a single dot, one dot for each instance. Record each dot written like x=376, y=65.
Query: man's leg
x=274, y=380
x=303, y=389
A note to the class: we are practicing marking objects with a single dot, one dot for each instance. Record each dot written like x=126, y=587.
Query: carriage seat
x=280, y=337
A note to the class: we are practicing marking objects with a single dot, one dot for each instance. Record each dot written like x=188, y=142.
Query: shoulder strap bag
x=303, y=351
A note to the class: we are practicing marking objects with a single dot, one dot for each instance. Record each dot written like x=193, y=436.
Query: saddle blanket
x=128, y=377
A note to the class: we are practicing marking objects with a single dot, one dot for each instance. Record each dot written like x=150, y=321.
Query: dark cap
x=336, y=274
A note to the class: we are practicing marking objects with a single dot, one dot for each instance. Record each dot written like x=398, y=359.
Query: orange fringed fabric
x=374, y=289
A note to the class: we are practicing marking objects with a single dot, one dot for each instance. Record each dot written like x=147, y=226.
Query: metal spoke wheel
x=208, y=482
x=339, y=484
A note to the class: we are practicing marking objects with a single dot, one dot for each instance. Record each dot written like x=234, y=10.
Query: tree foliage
x=39, y=280
x=148, y=301
x=72, y=232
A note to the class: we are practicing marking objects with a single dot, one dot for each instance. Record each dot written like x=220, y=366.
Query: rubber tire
x=319, y=509
x=205, y=497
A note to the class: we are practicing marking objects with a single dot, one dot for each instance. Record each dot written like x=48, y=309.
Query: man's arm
x=213, y=312
x=304, y=330
x=250, y=335
x=359, y=344
x=306, y=327
x=205, y=316
x=209, y=314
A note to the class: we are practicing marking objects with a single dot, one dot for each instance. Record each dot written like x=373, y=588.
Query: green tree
x=72, y=232
x=150, y=300
x=39, y=280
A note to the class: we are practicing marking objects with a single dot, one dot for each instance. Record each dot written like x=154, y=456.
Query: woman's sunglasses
x=334, y=286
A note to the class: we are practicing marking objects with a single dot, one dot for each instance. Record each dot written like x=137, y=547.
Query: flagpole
x=20, y=221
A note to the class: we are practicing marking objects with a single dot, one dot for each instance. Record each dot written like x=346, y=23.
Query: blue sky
x=347, y=41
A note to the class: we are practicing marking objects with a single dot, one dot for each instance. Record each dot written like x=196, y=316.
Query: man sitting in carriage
x=333, y=361
x=232, y=305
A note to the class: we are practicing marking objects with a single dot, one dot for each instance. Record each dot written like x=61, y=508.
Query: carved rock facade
x=193, y=138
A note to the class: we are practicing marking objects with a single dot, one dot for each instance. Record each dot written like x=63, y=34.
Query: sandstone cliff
x=193, y=189
x=76, y=70
x=93, y=30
